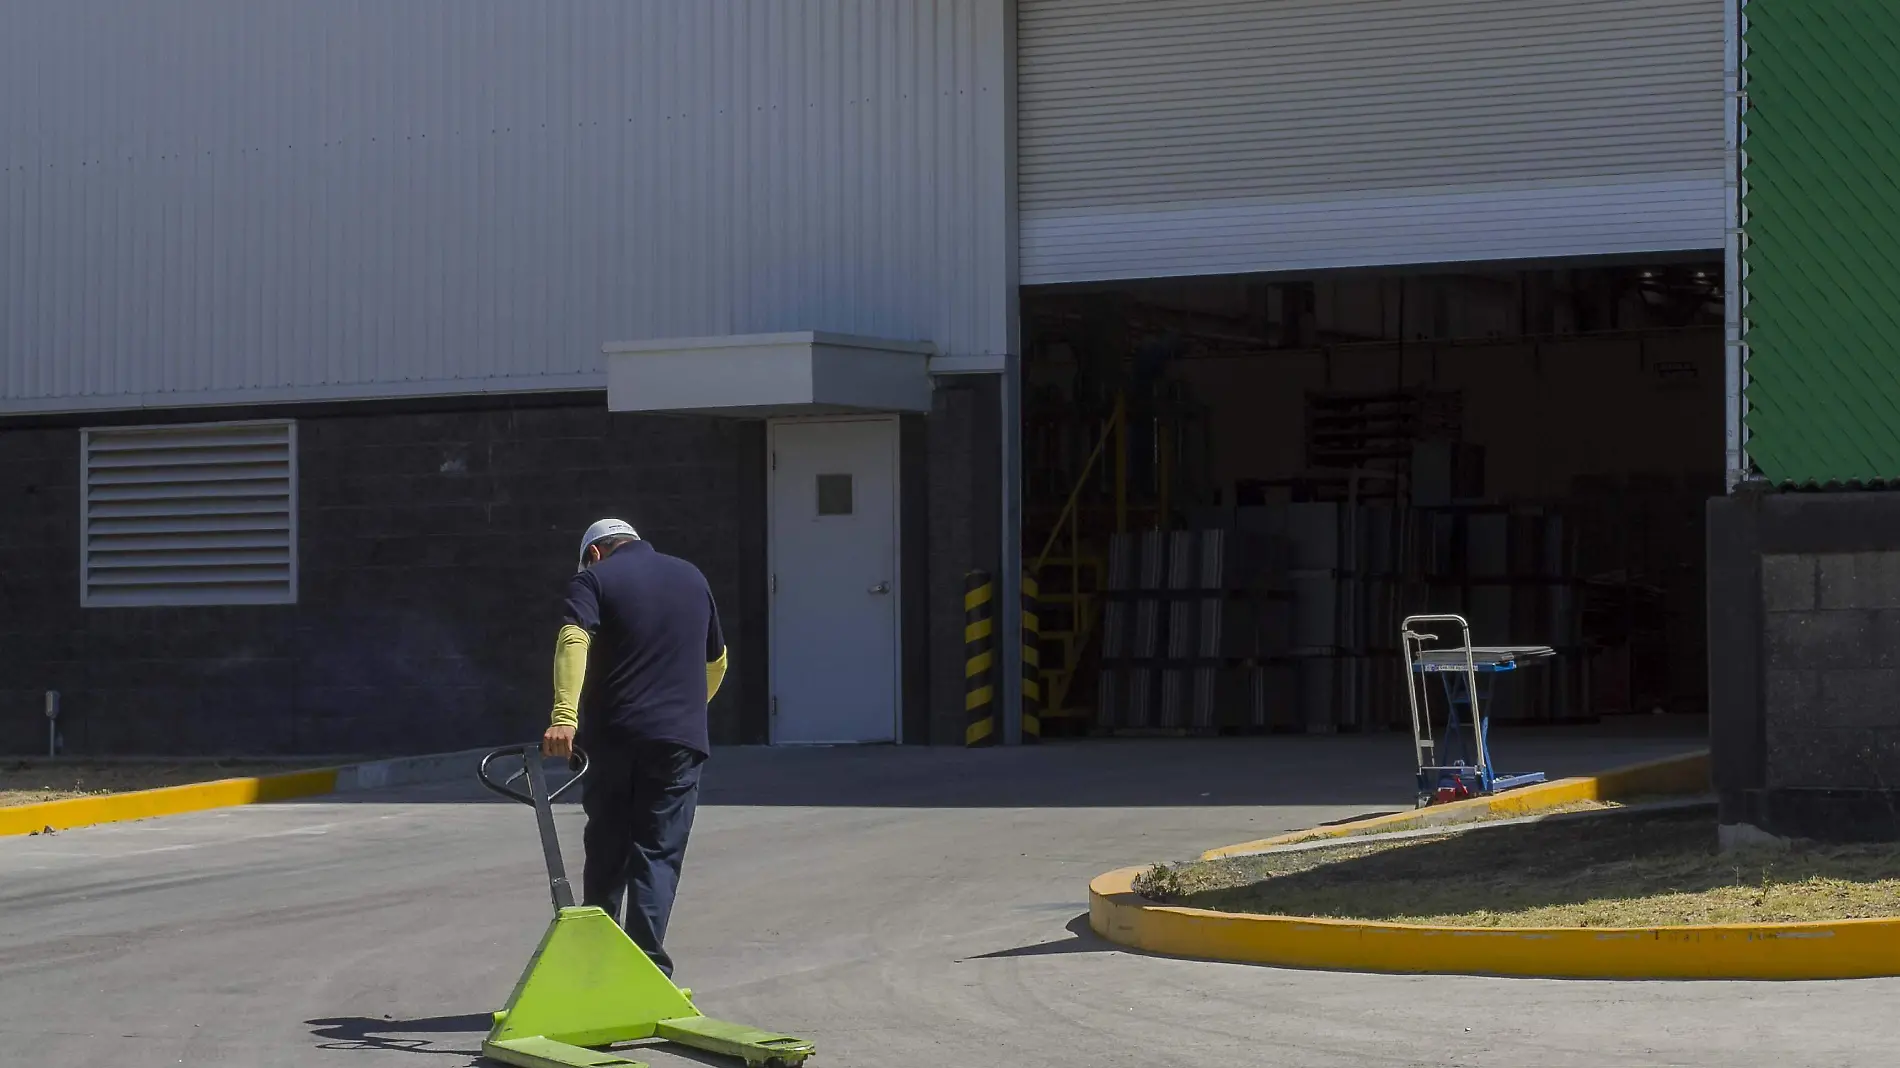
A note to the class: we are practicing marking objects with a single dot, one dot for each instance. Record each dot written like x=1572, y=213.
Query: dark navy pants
x=640, y=798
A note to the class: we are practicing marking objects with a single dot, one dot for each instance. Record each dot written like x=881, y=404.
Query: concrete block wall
x=1804, y=663
x=1832, y=660
x=964, y=458
x=434, y=545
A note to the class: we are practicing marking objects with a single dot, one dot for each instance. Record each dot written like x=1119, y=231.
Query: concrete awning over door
x=769, y=375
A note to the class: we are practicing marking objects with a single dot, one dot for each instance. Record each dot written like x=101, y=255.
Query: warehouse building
x=1244, y=327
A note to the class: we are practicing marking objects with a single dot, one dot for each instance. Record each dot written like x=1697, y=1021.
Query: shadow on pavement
x=1082, y=940
x=369, y=1034
x=1373, y=815
x=1363, y=770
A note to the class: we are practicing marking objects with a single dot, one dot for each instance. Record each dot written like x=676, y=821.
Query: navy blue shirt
x=654, y=629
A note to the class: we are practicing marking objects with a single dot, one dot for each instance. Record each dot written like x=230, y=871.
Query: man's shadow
x=385, y=1034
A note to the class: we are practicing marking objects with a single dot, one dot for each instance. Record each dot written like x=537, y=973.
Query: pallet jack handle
x=542, y=801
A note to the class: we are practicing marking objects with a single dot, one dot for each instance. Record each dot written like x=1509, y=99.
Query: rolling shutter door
x=1222, y=136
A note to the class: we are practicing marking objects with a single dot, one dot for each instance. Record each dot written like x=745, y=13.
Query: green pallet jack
x=588, y=985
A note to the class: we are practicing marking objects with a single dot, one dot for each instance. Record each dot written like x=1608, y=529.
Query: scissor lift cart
x=1466, y=672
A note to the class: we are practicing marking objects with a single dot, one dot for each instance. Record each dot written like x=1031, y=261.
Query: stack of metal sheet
x=1212, y=650
x=1111, y=694
x=1144, y=676
x=1195, y=633
x=1177, y=679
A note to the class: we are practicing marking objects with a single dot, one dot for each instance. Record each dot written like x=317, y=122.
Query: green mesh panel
x=1822, y=214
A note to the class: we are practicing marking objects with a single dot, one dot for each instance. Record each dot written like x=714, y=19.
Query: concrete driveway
x=901, y=907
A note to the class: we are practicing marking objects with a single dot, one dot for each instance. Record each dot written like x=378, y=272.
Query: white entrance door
x=834, y=581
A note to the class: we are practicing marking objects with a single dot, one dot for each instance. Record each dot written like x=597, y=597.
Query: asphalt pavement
x=901, y=907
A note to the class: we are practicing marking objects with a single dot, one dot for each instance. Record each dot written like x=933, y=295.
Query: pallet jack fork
x=1458, y=669
x=589, y=985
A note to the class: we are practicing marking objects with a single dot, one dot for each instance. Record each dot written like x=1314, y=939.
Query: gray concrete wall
x=1804, y=607
x=434, y=544
x=966, y=477
x=434, y=547
x=1832, y=647
x=964, y=445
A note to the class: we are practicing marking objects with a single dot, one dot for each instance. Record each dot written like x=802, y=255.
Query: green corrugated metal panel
x=1822, y=215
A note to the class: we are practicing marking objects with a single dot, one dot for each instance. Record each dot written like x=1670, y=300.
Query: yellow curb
x=1839, y=949
x=165, y=801
x=1684, y=774
x=1844, y=949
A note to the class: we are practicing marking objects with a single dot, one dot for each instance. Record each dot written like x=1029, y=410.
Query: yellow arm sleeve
x=570, y=670
x=715, y=674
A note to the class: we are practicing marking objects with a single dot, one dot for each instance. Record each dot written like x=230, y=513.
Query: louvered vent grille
x=190, y=515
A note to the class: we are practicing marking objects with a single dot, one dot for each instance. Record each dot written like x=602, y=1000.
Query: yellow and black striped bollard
x=979, y=659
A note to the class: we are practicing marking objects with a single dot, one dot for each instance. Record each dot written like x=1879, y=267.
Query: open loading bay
x=1235, y=488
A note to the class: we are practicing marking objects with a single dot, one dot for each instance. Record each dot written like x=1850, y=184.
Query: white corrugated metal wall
x=1214, y=136
x=208, y=201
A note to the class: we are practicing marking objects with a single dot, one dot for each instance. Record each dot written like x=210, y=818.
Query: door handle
x=882, y=587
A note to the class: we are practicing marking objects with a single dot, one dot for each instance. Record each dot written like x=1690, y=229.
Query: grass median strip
x=1637, y=869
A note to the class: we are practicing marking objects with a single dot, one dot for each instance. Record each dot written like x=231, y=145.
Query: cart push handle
x=539, y=797
x=578, y=764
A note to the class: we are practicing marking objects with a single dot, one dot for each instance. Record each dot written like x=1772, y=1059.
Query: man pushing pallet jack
x=1465, y=672
x=637, y=660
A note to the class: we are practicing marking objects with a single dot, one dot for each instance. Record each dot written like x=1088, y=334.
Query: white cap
x=606, y=528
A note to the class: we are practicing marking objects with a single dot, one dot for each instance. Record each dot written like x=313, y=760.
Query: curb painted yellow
x=1685, y=774
x=1677, y=775
x=165, y=801
x=1841, y=949
x=1846, y=949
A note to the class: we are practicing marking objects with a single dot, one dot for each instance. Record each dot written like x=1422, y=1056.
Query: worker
x=639, y=655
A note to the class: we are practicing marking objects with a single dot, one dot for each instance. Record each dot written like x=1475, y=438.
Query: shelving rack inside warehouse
x=1114, y=462
x=1358, y=482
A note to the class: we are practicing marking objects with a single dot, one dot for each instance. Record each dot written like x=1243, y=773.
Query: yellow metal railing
x=1082, y=612
x=1116, y=429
